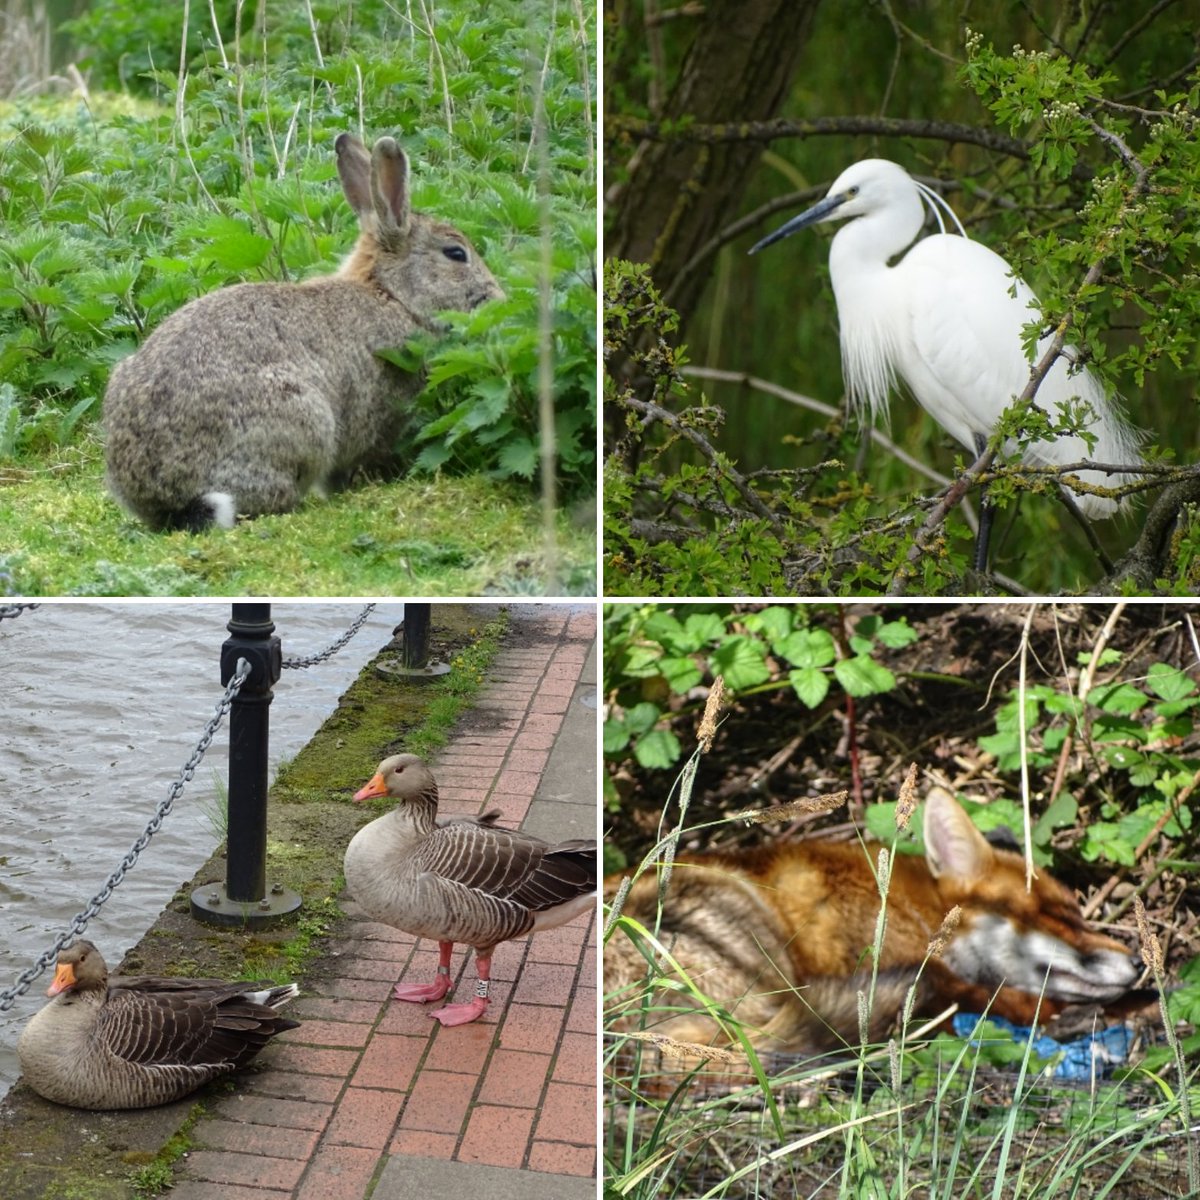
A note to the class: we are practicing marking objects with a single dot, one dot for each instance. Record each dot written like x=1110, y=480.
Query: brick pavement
x=370, y=1098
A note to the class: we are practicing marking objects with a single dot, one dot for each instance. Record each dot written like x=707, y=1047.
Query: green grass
x=156, y=1176
x=62, y=534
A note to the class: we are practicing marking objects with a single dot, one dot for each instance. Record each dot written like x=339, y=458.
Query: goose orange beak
x=64, y=977
x=375, y=788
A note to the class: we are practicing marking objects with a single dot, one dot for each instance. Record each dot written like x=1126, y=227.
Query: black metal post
x=413, y=665
x=245, y=899
x=416, y=636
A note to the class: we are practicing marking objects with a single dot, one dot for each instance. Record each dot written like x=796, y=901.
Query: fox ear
x=953, y=846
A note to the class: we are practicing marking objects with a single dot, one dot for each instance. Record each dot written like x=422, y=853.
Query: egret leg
x=460, y=1014
x=987, y=513
x=422, y=993
x=1086, y=525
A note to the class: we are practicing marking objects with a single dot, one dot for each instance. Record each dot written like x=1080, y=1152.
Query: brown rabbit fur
x=251, y=396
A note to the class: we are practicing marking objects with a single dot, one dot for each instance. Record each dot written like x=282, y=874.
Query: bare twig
x=655, y=412
x=622, y=125
x=1021, y=742
x=817, y=406
x=1086, y=677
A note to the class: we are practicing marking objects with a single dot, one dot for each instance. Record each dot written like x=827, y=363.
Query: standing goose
x=463, y=881
x=140, y=1041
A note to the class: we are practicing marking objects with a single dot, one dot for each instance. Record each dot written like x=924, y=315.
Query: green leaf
x=667, y=630
x=741, y=660
x=681, y=673
x=658, y=749
x=896, y=634
x=863, y=676
x=808, y=648
x=519, y=457
x=616, y=737
x=642, y=717
x=1060, y=814
x=238, y=249
x=810, y=684
x=1169, y=683
x=1122, y=698
x=702, y=628
x=776, y=622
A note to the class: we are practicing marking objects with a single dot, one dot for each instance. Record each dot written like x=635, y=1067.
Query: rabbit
x=251, y=396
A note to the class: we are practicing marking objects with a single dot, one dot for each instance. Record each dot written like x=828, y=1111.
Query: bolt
x=264, y=904
x=214, y=898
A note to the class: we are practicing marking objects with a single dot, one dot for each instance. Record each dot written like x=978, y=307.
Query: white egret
x=946, y=319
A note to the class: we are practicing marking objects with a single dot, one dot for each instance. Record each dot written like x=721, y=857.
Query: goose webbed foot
x=423, y=993
x=461, y=1014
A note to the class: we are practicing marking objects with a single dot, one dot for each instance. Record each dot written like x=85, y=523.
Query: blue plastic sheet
x=1093, y=1054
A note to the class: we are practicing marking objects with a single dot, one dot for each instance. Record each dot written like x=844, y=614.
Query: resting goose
x=138, y=1041
x=462, y=881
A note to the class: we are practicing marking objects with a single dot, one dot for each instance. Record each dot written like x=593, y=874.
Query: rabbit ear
x=389, y=185
x=354, y=168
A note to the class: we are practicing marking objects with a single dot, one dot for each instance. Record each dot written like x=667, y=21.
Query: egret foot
x=422, y=993
x=461, y=1014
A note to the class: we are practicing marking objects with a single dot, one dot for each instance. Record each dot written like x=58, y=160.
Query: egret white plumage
x=946, y=318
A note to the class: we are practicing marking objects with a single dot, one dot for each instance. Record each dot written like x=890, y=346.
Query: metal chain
x=15, y=610
x=330, y=651
x=8, y=996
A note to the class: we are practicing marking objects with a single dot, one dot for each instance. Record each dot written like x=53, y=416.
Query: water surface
x=103, y=704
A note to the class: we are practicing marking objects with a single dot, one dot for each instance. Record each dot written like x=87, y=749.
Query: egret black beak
x=819, y=212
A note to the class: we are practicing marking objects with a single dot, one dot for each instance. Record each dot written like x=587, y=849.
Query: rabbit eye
x=455, y=253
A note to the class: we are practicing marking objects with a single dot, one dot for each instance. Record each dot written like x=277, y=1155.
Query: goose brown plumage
x=138, y=1041
x=462, y=881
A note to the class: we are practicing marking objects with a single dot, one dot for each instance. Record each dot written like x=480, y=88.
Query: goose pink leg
x=461, y=1014
x=423, y=993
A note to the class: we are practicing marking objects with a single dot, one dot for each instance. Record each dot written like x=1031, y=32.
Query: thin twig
x=655, y=412
x=620, y=126
x=1081, y=693
x=1021, y=742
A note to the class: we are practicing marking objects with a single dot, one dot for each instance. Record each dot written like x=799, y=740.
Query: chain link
x=8, y=996
x=330, y=651
x=15, y=610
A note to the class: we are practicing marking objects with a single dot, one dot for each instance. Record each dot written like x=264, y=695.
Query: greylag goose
x=462, y=881
x=137, y=1041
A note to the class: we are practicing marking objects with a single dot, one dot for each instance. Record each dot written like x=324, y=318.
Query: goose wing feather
x=508, y=865
x=185, y=1022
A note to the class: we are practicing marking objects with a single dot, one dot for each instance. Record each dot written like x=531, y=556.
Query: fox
x=779, y=938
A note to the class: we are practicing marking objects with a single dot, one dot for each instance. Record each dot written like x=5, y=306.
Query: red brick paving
x=366, y=1076
x=195, y=1189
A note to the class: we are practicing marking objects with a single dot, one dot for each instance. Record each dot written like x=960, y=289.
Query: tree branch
x=655, y=412
x=622, y=126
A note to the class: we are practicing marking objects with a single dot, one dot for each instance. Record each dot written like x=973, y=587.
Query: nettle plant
x=1134, y=728
x=654, y=656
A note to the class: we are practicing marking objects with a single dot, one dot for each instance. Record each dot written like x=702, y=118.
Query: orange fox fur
x=780, y=937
